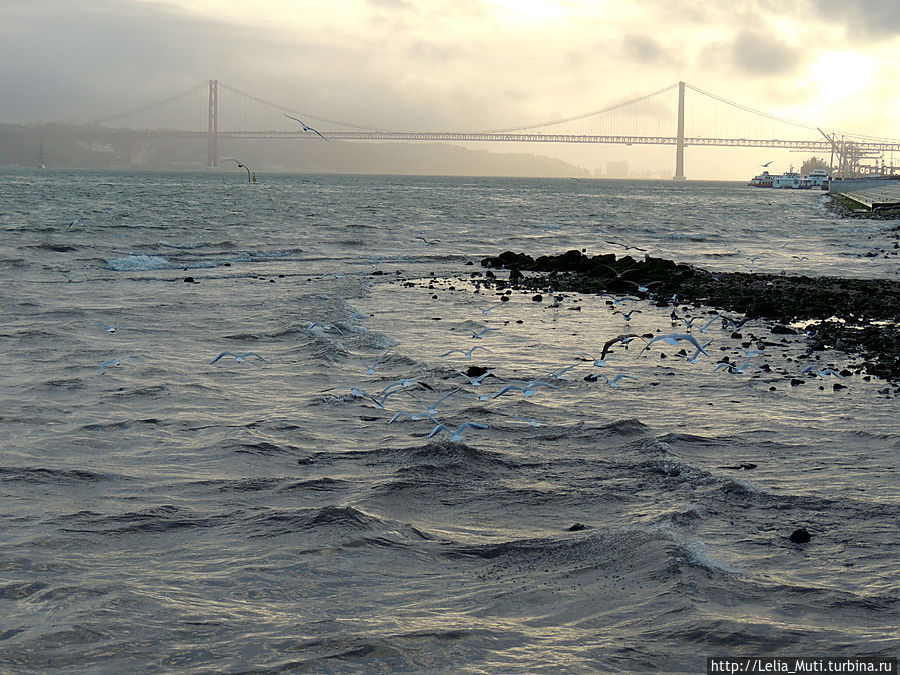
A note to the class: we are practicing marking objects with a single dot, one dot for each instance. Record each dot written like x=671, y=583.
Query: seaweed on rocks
x=856, y=315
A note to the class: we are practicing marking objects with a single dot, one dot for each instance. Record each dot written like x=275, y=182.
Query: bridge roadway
x=820, y=146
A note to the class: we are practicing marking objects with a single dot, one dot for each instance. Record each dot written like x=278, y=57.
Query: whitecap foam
x=138, y=262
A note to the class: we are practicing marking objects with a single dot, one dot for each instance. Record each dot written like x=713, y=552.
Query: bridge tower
x=212, y=133
x=679, y=150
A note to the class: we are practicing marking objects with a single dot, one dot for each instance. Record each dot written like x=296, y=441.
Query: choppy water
x=166, y=514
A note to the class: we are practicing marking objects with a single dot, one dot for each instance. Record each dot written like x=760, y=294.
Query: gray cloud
x=642, y=48
x=757, y=53
x=877, y=19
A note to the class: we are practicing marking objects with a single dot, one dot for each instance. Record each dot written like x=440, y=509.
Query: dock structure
x=873, y=194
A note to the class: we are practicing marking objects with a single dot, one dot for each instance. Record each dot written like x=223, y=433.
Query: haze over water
x=168, y=514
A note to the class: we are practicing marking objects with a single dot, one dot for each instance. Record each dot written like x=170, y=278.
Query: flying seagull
x=240, y=166
x=457, y=434
x=305, y=126
x=240, y=357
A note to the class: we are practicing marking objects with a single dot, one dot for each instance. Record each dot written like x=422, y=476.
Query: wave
x=41, y=475
x=154, y=520
x=138, y=263
x=227, y=244
x=332, y=519
x=316, y=484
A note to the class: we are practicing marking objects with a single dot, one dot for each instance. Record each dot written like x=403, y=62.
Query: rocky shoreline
x=858, y=316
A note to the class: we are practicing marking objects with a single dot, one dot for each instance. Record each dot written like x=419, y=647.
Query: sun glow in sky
x=457, y=64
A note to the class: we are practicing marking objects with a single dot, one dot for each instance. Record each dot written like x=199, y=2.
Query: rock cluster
x=856, y=315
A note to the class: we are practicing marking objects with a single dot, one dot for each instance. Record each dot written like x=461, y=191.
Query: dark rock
x=743, y=466
x=537, y=298
x=800, y=536
x=189, y=280
x=577, y=527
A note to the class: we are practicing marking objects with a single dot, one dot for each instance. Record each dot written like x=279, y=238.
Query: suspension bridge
x=679, y=115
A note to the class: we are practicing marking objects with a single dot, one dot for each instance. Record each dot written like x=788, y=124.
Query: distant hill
x=74, y=147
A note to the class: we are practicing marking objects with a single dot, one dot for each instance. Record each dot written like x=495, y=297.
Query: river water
x=162, y=513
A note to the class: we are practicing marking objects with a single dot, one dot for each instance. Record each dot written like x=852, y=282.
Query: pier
x=875, y=194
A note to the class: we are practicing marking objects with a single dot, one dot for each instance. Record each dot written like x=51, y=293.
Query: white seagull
x=559, y=372
x=824, y=372
x=323, y=326
x=240, y=357
x=627, y=315
x=456, y=435
x=709, y=323
x=114, y=362
x=674, y=339
x=527, y=390
x=489, y=308
x=371, y=369
x=109, y=329
x=305, y=126
x=415, y=417
x=611, y=381
x=467, y=354
x=484, y=331
x=432, y=409
x=531, y=421
x=476, y=381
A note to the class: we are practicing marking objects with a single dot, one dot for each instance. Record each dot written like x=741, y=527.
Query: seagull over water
x=531, y=421
x=613, y=381
x=305, y=126
x=489, y=308
x=627, y=315
x=559, y=372
x=824, y=372
x=737, y=369
x=371, y=369
x=709, y=323
x=114, y=362
x=624, y=339
x=734, y=324
x=674, y=339
x=415, y=417
x=240, y=357
x=476, y=381
x=527, y=390
x=109, y=329
x=467, y=354
x=484, y=331
x=323, y=326
x=456, y=435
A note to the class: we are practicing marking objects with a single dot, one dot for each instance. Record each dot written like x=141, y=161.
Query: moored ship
x=791, y=180
x=764, y=179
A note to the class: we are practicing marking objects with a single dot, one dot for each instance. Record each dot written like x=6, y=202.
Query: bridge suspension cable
x=575, y=118
x=283, y=109
x=150, y=106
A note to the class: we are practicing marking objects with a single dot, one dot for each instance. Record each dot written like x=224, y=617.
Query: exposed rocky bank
x=855, y=315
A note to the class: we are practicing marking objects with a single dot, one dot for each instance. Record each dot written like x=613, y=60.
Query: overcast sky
x=454, y=64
